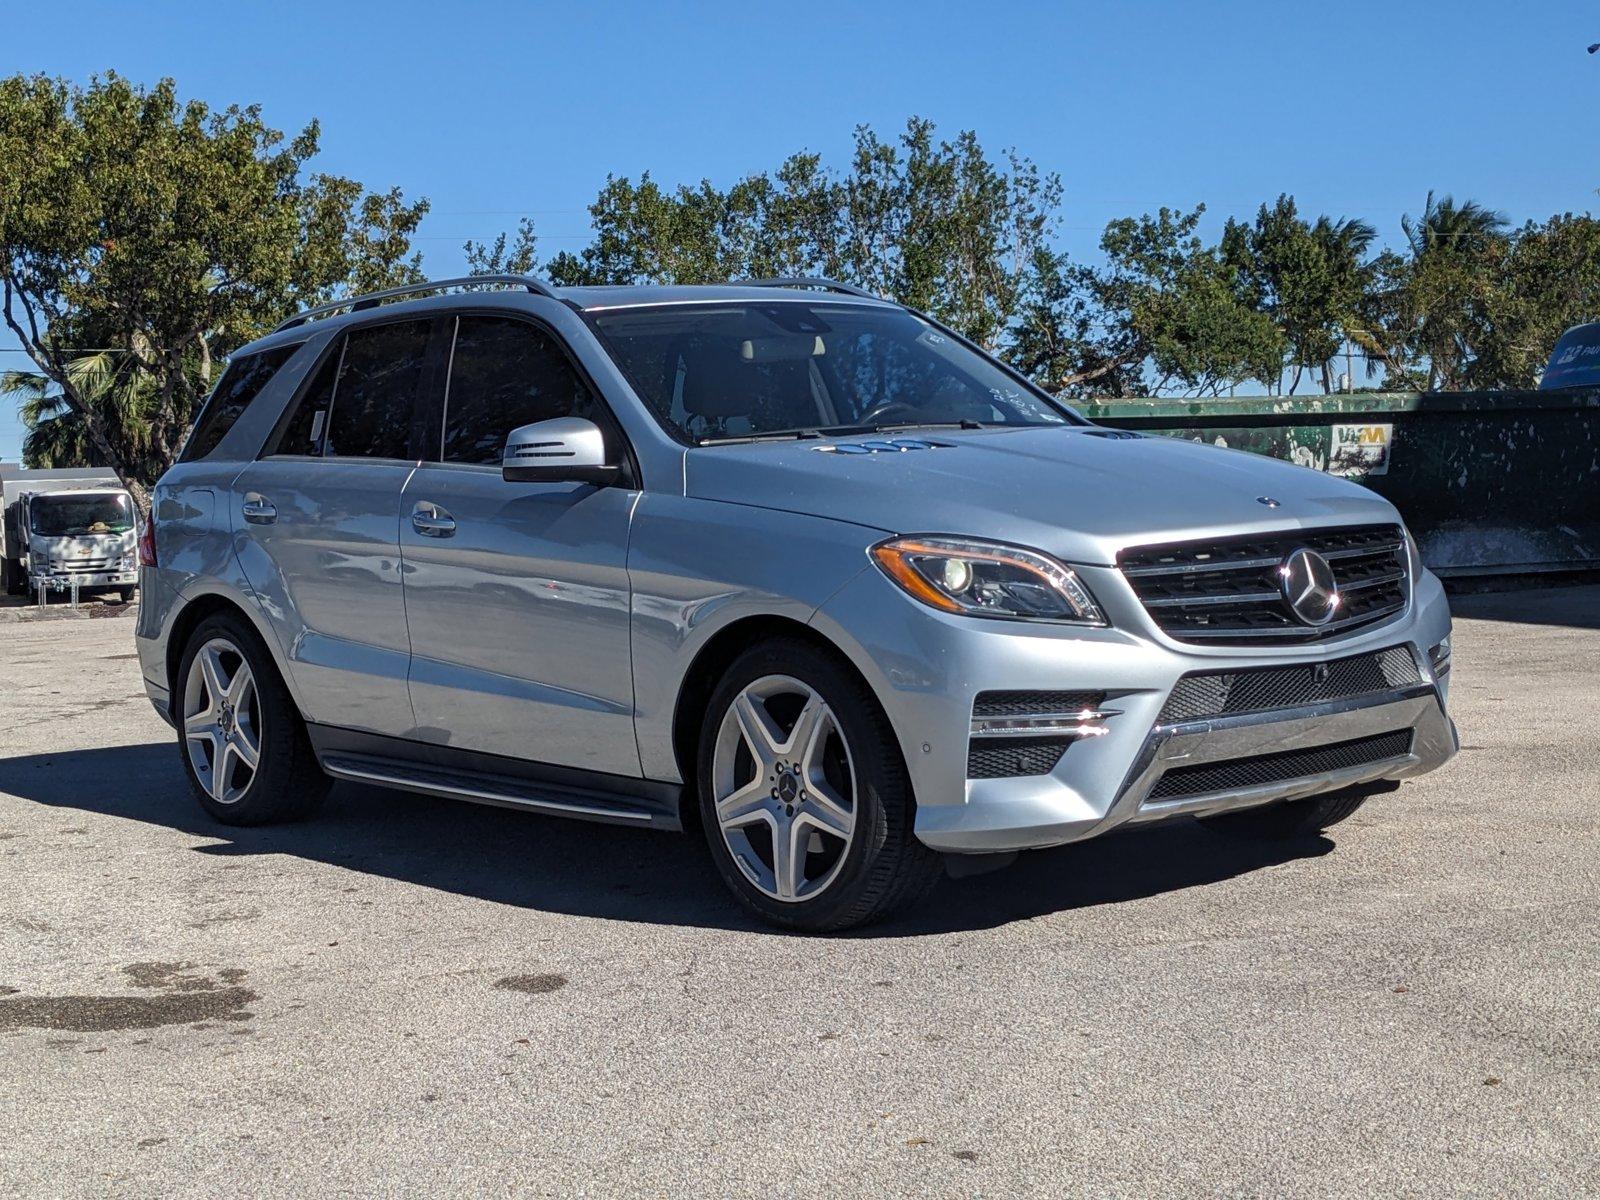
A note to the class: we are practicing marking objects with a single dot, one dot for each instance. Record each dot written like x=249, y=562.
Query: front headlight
x=986, y=579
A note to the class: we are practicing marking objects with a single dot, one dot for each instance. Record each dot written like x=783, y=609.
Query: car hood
x=1081, y=493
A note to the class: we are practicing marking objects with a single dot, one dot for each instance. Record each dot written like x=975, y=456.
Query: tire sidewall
x=879, y=772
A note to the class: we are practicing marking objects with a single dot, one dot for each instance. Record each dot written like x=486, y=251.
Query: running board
x=490, y=779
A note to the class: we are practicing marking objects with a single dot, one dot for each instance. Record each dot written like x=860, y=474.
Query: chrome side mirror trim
x=560, y=450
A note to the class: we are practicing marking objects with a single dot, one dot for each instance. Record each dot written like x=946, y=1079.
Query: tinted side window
x=240, y=384
x=374, y=397
x=303, y=434
x=504, y=374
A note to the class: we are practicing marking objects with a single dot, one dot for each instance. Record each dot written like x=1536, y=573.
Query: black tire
x=287, y=784
x=885, y=868
x=1291, y=819
x=124, y=595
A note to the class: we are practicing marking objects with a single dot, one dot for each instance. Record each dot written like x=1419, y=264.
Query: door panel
x=321, y=549
x=517, y=602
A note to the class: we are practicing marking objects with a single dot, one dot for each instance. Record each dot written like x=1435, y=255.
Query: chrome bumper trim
x=1418, y=708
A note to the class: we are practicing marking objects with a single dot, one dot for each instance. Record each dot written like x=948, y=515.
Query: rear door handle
x=432, y=521
x=258, y=510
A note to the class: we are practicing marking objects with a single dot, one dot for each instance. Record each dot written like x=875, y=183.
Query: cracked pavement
x=408, y=996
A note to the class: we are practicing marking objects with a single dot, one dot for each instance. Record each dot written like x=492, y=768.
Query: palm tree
x=1345, y=243
x=56, y=434
x=1426, y=310
x=1448, y=227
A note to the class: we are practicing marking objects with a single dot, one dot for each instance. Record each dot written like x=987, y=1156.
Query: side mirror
x=560, y=450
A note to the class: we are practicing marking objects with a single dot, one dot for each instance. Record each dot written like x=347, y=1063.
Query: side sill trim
x=490, y=779
x=343, y=768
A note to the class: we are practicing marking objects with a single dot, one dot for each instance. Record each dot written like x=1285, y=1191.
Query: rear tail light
x=147, y=541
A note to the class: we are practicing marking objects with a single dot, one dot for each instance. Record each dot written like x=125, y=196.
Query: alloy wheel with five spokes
x=222, y=720
x=784, y=788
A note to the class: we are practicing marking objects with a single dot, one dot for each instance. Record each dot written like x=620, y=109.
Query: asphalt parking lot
x=408, y=996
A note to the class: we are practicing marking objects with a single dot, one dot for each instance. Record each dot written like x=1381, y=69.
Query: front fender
x=698, y=566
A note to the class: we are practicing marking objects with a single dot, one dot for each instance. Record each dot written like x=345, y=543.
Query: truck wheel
x=124, y=595
x=1289, y=819
x=242, y=741
x=804, y=797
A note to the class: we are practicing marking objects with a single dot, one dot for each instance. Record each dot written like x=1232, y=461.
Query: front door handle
x=258, y=510
x=432, y=521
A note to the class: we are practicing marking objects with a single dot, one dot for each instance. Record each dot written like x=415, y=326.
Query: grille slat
x=1210, y=694
x=1237, y=773
x=1034, y=703
x=1227, y=589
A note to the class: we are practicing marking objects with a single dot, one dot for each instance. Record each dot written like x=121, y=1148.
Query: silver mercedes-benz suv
x=780, y=559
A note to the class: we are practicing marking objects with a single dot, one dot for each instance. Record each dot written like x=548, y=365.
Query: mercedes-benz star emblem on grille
x=1309, y=588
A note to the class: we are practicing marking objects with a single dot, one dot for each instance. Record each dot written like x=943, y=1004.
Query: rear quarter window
x=240, y=384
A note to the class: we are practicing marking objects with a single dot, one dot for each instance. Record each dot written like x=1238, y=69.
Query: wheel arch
x=712, y=662
x=188, y=619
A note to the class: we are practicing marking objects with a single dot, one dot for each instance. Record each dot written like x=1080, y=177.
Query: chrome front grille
x=1207, y=694
x=84, y=566
x=1226, y=590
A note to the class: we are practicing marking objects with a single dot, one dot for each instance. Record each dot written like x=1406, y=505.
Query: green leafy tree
x=1184, y=305
x=516, y=255
x=1547, y=280
x=1309, y=278
x=1430, y=309
x=168, y=233
x=1068, y=335
x=55, y=435
x=933, y=223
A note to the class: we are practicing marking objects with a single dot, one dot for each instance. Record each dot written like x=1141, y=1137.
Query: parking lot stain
x=966, y=1156
x=187, y=996
x=535, y=984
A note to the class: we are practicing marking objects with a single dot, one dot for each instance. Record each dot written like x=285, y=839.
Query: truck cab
x=84, y=538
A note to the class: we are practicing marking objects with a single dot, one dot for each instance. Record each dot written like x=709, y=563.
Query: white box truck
x=66, y=527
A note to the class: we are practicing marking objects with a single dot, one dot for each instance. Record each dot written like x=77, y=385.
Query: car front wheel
x=804, y=797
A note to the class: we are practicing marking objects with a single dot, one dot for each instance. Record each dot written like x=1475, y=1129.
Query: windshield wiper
x=902, y=426
x=776, y=435
x=805, y=435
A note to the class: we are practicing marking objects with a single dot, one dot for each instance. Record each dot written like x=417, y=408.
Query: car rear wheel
x=243, y=744
x=804, y=797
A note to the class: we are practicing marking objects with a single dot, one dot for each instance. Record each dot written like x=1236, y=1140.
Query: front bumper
x=927, y=668
x=62, y=581
x=1043, y=810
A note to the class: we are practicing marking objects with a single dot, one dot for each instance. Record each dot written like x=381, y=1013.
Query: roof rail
x=812, y=281
x=372, y=299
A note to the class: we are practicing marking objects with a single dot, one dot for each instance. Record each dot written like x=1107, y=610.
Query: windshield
x=750, y=369
x=74, y=516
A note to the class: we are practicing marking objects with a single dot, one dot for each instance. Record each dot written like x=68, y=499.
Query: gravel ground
x=407, y=996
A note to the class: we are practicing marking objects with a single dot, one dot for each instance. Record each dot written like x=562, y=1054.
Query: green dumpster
x=1489, y=482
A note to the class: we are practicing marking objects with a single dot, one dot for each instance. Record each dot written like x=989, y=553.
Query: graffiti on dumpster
x=1360, y=449
x=1354, y=451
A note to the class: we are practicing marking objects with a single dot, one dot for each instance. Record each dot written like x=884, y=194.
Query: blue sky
x=497, y=109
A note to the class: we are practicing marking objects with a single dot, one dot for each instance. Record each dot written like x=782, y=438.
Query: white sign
x=1360, y=450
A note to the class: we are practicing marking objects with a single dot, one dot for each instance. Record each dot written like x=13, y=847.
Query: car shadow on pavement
x=557, y=865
